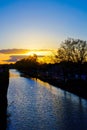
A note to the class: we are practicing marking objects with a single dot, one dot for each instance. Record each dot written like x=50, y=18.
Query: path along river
x=36, y=105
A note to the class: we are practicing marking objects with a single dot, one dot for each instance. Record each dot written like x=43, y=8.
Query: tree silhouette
x=72, y=54
x=73, y=50
x=28, y=65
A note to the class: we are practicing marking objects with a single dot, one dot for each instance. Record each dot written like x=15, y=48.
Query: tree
x=27, y=63
x=73, y=50
x=72, y=54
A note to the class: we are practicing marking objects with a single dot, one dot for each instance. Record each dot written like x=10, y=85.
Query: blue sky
x=41, y=24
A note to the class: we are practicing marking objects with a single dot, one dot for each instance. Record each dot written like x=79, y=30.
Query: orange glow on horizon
x=3, y=58
x=41, y=52
x=44, y=56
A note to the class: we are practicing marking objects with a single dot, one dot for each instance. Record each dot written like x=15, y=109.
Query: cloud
x=14, y=51
x=14, y=58
x=13, y=55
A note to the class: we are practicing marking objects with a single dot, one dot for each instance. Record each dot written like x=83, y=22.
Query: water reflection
x=36, y=105
x=14, y=73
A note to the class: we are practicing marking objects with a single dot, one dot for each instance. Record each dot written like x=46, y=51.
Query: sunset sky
x=41, y=24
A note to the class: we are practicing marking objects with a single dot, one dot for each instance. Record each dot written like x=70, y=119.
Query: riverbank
x=75, y=86
x=4, y=81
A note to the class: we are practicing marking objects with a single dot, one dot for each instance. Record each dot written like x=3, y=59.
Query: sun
x=38, y=52
x=31, y=53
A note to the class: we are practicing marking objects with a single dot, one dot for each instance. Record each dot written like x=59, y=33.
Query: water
x=36, y=105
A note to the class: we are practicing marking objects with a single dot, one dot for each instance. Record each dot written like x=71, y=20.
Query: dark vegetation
x=69, y=71
x=4, y=81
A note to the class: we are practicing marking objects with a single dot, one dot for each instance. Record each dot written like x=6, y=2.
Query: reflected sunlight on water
x=14, y=73
x=37, y=105
x=54, y=90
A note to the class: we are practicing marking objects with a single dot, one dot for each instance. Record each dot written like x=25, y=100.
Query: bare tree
x=74, y=50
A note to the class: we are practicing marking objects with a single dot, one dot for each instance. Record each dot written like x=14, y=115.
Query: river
x=36, y=105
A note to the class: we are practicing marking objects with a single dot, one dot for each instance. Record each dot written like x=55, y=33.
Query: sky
x=41, y=24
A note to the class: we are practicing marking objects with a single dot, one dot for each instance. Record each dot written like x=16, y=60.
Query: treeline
x=71, y=59
x=69, y=70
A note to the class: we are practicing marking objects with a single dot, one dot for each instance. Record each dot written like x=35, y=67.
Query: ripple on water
x=36, y=105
